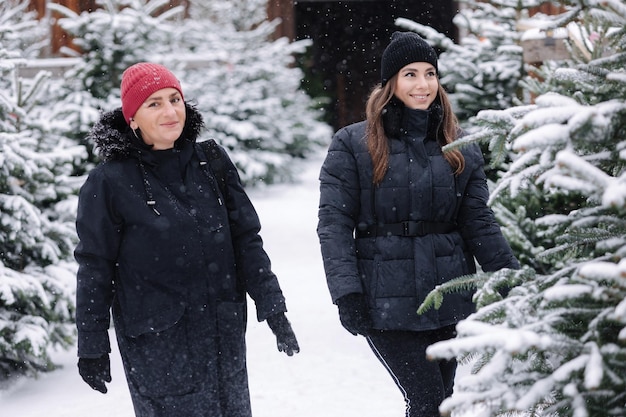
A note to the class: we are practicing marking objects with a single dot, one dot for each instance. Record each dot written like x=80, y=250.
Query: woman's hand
x=95, y=371
x=285, y=337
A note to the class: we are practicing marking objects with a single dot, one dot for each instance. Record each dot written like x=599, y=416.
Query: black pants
x=423, y=383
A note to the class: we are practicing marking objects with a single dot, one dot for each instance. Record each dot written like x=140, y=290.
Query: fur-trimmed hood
x=114, y=139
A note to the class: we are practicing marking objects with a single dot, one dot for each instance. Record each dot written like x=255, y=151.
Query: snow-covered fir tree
x=36, y=223
x=110, y=38
x=556, y=345
x=484, y=69
x=249, y=89
x=20, y=34
x=116, y=35
x=243, y=82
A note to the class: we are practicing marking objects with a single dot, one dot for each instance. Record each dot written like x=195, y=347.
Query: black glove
x=285, y=337
x=354, y=314
x=95, y=372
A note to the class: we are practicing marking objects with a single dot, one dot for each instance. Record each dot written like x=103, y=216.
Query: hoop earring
x=135, y=133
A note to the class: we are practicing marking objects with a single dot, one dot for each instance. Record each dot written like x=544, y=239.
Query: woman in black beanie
x=398, y=217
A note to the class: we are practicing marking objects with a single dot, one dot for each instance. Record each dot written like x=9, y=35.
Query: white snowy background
x=335, y=374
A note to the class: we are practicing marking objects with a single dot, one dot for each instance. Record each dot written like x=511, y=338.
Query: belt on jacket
x=406, y=228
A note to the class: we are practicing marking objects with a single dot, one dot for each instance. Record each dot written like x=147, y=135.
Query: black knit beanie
x=405, y=48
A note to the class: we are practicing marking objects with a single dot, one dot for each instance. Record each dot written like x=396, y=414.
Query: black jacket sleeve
x=99, y=233
x=477, y=222
x=337, y=216
x=253, y=263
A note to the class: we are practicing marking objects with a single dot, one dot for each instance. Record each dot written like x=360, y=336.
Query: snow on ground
x=335, y=374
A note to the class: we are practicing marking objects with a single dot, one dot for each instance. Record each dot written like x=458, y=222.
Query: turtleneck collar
x=415, y=123
x=399, y=120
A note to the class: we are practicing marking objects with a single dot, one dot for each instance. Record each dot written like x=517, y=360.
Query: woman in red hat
x=169, y=244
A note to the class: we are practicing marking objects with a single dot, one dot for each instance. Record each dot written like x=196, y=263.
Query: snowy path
x=335, y=373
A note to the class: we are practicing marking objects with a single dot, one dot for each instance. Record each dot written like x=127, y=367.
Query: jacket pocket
x=158, y=358
x=162, y=321
x=231, y=326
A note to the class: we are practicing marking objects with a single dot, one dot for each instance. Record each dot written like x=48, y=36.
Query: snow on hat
x=405, y=48
x=140, y=81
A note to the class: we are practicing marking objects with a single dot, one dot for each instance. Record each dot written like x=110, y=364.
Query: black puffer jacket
x=158, y=246
x=397, y=272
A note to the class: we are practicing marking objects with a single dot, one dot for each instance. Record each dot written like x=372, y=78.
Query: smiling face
x=417, y=85
x=161, y=118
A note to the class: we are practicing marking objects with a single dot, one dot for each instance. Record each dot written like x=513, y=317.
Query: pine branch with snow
x=556, y=345
x=484, y=69
x=116, y=35
x=249, y=91
x=37, y=234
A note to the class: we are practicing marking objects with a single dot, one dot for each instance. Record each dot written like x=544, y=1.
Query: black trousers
x=423, y=383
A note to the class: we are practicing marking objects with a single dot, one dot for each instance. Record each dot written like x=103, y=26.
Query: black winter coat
x=174, y=260
x=397, y=272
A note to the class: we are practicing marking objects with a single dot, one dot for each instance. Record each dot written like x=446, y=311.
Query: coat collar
x=399, y=119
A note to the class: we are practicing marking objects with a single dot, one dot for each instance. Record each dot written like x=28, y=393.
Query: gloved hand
x=285, y=337
x=354, y=314
x=95, y=372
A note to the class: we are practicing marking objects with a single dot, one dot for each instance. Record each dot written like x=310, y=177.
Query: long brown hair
x=378, y=144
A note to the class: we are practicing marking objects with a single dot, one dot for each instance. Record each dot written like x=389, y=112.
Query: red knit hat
x=140, y=81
